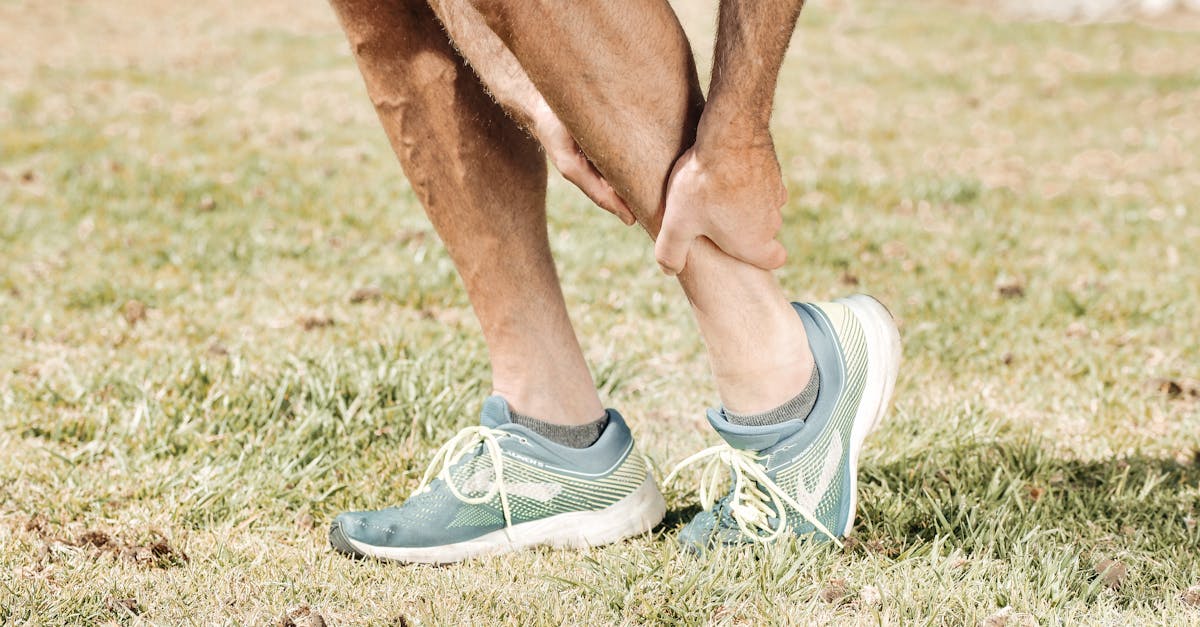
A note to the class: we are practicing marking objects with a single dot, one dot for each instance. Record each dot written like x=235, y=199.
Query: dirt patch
x=366, y=295
x=1191, y=596
x=157, y=552
x=314, y=321
x=305, y=521
x=1010, y=289
x=835, y=591
x=1112, y=573
x=36, y=525
x=123, y=606
x=134, y=311
x=95, y=539
x=1176, y=389
x=152, y=550
x=888, y=546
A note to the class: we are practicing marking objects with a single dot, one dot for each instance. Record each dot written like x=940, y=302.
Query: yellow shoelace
x=755, y=497
x=454, y=449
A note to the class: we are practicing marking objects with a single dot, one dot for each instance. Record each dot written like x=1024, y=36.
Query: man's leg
x=482, y=182
x=620, y=74
x=507, y=484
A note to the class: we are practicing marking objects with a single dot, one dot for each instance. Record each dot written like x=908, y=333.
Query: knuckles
x=776, y=221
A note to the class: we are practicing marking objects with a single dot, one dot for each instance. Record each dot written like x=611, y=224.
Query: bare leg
x=620, y=74
x=482, y=182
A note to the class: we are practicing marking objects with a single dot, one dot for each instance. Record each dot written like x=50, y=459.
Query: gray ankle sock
x=798, y=407
x=574, y=436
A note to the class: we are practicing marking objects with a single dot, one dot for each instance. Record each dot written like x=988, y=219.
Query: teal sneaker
x=500, y=487
x=801, y=477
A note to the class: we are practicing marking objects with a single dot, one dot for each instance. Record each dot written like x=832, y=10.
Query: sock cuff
x=798, y=407
x=574, y=436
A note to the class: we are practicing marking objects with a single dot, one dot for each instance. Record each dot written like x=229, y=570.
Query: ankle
x=761, y=389
x=797, y=408
x=550, y=403
x=764, y=373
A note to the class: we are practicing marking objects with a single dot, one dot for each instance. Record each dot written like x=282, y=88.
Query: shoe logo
x=810, y=498
x=482, y=481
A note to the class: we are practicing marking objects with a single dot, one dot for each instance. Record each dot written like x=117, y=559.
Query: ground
x=223, y=319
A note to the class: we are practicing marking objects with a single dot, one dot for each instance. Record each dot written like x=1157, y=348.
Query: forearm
x=491, y=59
x=752, y=38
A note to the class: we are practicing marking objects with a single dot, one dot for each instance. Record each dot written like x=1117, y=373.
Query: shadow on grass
x=677, y=518
x=988, y=498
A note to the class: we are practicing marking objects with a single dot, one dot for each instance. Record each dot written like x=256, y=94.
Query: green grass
x=181, y=465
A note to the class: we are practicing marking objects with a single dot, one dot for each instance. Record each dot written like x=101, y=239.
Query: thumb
x=768, y=256
x=672, y=246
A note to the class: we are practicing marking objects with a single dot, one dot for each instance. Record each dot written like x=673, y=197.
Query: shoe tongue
x=495, y=412
x=751, y=438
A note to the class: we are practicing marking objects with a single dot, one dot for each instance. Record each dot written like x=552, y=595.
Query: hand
x=566, y=155
x=730, y=194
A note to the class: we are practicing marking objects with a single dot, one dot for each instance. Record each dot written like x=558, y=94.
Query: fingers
x=769, y=256
x=602, y=193
x=672, y=246
x=578, y=170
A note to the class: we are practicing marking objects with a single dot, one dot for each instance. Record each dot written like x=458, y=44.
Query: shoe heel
x=883, y=364
x=883, y=341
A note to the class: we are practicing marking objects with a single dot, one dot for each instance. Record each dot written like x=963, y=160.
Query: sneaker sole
x=883, y=365
x=633, y=515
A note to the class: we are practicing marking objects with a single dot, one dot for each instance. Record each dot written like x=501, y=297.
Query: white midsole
x=635, y=514
x=883, y=364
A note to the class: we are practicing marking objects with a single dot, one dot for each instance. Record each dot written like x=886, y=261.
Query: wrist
x=725, y=141
x=733, y=127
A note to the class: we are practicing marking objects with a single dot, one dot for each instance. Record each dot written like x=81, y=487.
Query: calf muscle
x=620, y=75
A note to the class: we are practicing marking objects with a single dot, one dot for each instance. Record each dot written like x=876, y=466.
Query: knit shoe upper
x=799, y=477
x=500, y=486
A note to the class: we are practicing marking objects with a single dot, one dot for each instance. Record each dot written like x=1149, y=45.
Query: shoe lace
x=455, y=449
x=754, y=498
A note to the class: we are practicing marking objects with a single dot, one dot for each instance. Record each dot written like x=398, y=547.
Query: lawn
x=224, y=319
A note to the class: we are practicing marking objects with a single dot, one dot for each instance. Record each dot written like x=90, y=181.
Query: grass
x=223, y=319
